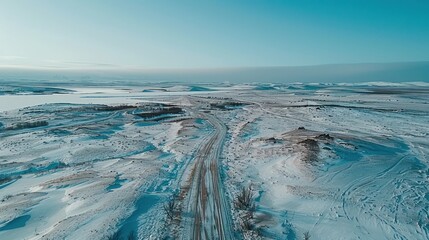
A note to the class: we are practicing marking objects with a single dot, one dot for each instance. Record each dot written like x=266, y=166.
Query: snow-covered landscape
x=214, y=120
x=214, y=161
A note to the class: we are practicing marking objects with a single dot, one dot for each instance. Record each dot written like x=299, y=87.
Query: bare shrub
x=246, y=205
x=307, y=236
x=244, y=200
x=246, y=224
x=170, y=209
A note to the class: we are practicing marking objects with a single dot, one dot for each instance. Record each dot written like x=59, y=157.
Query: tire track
x=207, y=208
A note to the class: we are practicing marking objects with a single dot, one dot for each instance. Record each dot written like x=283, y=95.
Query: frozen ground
x=336, y=161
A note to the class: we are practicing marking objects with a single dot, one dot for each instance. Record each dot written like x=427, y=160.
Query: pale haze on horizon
x=203, y=34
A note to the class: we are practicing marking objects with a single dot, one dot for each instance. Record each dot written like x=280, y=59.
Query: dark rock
x=325, y=136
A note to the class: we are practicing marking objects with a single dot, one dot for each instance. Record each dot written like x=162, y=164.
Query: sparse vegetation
x=114, y=108
x=4, y=179
x=226, y=105
x=170, y=209
x=313, y=149
x=246, y=224
x=310, y=143
x=245, y=203
x=23, y=125
x=159, y=113
x=307, y=236
x=244, y=200
x=7, y=197
x=273, y=140
x=325, y=137
x=172, y=212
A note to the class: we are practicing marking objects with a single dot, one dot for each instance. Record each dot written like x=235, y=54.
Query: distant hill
x=335, y=73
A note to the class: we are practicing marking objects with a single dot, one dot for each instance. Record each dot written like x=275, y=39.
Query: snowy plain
x=334, y=161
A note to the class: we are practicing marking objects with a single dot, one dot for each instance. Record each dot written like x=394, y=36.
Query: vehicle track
x=207, y=205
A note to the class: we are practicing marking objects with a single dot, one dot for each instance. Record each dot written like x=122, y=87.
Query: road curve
x=207, y=206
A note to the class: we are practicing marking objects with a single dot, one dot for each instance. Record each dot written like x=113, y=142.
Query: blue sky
x=210, y=34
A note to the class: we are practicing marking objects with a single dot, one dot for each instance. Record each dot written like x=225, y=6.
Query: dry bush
x=244, y=200
x=170, y=209
x=307, y=236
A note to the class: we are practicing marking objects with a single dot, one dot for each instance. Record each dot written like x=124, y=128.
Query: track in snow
x=207, y=204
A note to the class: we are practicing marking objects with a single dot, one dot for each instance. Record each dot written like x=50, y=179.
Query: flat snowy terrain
x=248, y=161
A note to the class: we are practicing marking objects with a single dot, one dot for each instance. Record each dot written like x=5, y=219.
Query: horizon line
x=112, y=67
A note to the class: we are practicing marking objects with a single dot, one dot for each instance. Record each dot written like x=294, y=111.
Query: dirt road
x=207, y=208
